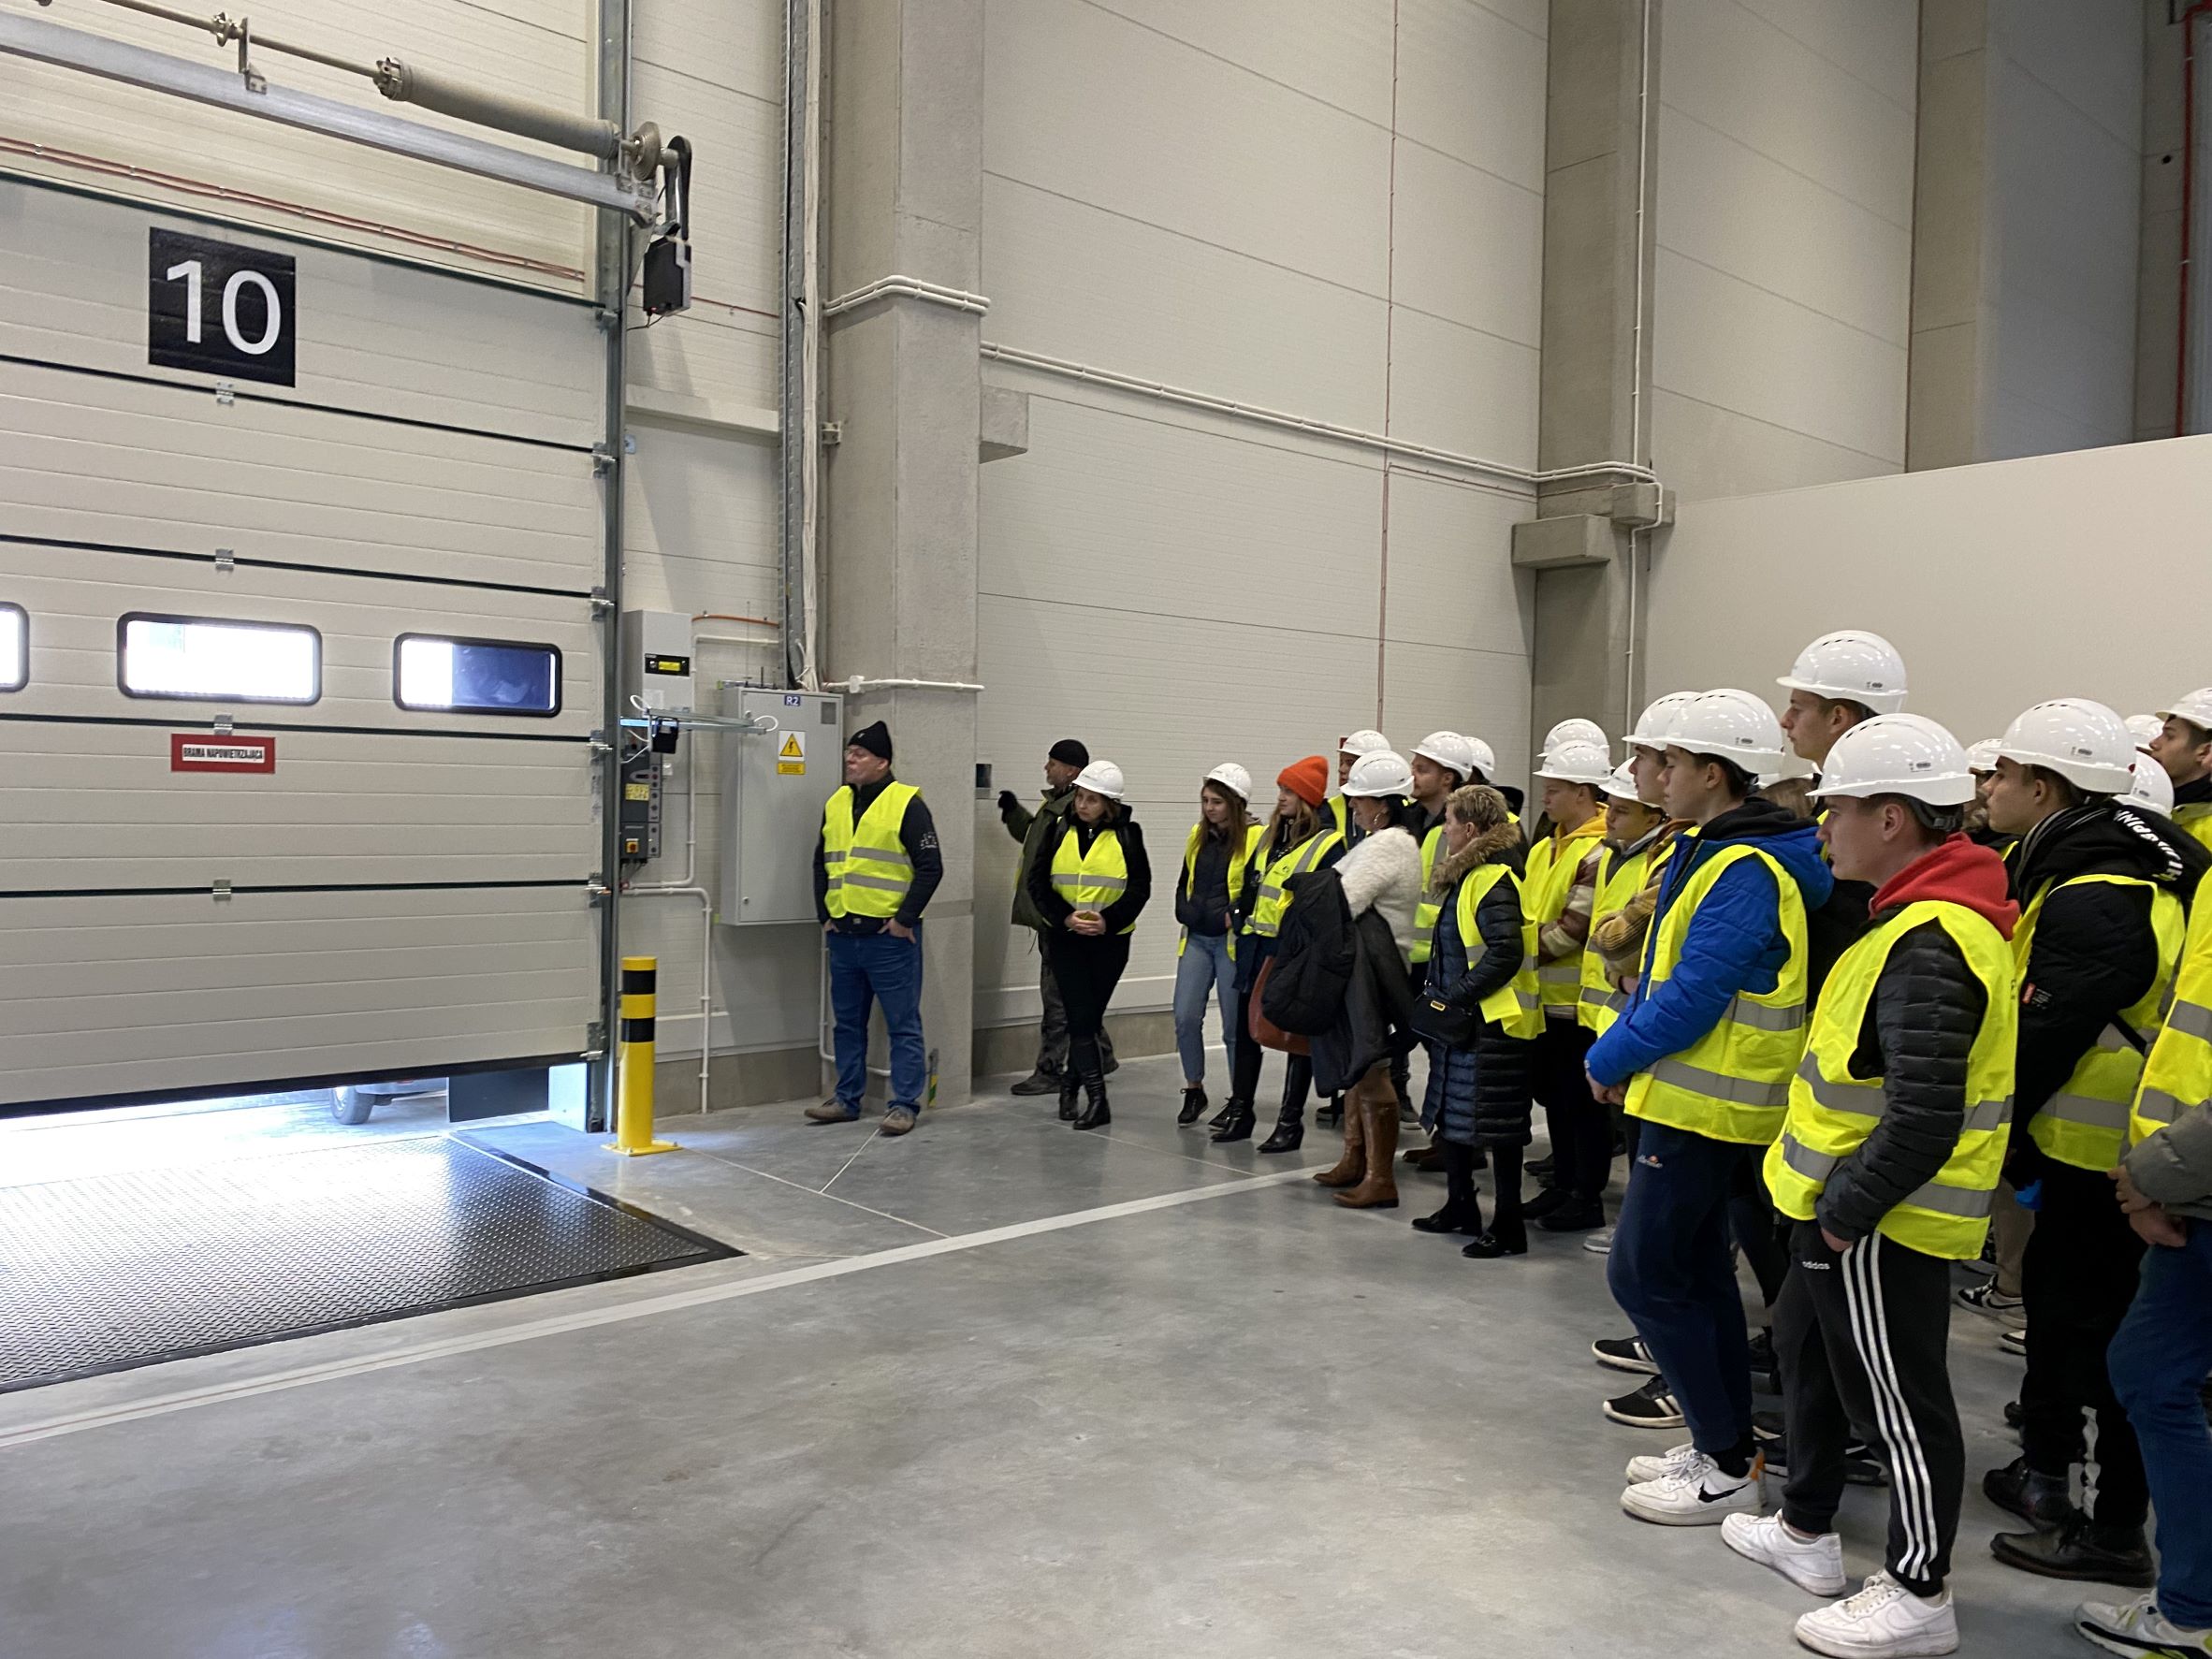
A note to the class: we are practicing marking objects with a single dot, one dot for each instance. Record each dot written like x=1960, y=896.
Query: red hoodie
x=1957, y=872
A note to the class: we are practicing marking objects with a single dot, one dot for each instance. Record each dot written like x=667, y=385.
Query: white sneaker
x=1599, y=1243
x=1694, y=1492
x=1883, y=1621
x=1809, y=1564
x=2137, y=1630
x=1650, y=1468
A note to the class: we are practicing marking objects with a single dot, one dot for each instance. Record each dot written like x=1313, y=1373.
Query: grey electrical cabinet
x=775, y=784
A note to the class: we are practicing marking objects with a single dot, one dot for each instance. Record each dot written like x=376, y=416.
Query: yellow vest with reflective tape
x=1426, y=912
x=1619, y=880
x=2178, y=1074
x=1733, y=1084
x=1267, y=914
x=1515, y=1005
x=1544, y=895
x=1092, y=879
x=2085, y=1123
x=1832, y=1113
x=1240, y=859
x=2196, y=818
x=868, y=870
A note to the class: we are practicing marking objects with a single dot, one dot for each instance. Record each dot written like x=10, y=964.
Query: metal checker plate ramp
x=111, y=1271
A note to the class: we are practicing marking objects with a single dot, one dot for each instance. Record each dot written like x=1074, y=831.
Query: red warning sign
x=193, y=753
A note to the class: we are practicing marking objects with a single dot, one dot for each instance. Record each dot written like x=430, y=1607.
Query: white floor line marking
x=848, y=1164
x=563, y=1324
x=800, y=1186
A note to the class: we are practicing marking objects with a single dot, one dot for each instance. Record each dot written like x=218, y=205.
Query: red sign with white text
x=189, y=752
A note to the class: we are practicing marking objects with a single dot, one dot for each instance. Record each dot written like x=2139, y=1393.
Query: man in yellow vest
x=2103, y=887
x=875, y=867
x=1559, y=892
x=1703, y=1058
x=1886, y=1166
x=2183, y=749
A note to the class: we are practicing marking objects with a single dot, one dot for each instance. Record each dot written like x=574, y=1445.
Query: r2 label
x=219, y=308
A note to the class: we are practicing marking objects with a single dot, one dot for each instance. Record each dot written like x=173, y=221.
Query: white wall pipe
x=858, y=684
x=896, y=286
x=1638, y=538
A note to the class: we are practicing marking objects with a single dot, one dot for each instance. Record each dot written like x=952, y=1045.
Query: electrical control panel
x=657, y=667
x=642, y=790
x=775, y=780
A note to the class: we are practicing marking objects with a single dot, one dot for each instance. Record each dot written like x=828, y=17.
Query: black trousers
x=1581, y=1127
x=1864, y=1342
x=1243, y=1072
x=1052, y=1036
x=2079, y=1277
x=1757, y=1229
x=1087, y=970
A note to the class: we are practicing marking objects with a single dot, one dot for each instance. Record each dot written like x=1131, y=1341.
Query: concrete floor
x=1222, y=1420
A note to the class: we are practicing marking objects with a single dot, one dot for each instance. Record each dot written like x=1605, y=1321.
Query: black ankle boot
x=1095, y=1112
x=1454, y=1218
x=1220, y=1119
x=2040, y=1500
x=1290, y=1133
x=1194, y=1102
x=1071, y=1090
x=1236, y=1123
x=1507, y=1236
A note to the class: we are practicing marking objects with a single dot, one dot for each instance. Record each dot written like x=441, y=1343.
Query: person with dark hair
x=1091, y=881
x=875, y=867
x=2103, y=888
x=2183, y=750
x=1032, y=829
x=1216, y=867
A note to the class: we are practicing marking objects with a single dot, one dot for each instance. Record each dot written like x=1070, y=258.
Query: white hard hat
x=1101, y=778
x=1851, y=664
x=1366, y=742
x=2196, y=708
x=1620, y=785
x=2083, y=742
x=2152, y=788
x=1484, y=757
x=1382, y=773
x=1232, y=778
x=1898, y=755
x=1982, y=756
x=1650, y=726
x=1449, y=750
x=2144, y=727
x=1578, y=762
x=1730, y=724
x=1575, y=731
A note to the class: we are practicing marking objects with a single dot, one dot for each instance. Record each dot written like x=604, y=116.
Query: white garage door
x=296, y=773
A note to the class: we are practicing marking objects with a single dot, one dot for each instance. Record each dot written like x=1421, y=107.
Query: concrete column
x=1596, y=362
x=902, y=194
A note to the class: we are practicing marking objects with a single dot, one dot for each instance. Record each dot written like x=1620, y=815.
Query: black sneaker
x=2079, y=1548
x=1651, y=1406
x=2043, y=1501
x=1766, y=1366
x=1623, y=1353
x=1859, y=1465
x=1039, y=1082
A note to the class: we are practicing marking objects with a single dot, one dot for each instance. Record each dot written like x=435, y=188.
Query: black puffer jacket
x=2093, y=954
x=1479, y=1095
x=1918, y=1032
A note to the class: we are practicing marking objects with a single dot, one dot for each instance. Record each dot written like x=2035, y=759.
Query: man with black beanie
x=1033, y=830
x=875, y=867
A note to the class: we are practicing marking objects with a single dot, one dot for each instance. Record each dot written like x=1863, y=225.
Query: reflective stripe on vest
x=1831, y=1113
x=1426, y=912
x=1733, y=1083
x=1544, y=892
x=868, y=870
x=1267, y=914
x=1514, y=1006
x=2178, y=1074
x=1240, y=861
x=2085, y=1123
x=1621, y=881
x=1091, y=878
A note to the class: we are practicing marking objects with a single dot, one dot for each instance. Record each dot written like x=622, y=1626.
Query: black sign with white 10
x=219, y=308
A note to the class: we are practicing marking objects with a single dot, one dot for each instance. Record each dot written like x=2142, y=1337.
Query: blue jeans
x=866, y=968
x=1673, y=1275
x=1204, y=966
x=2157, y=1361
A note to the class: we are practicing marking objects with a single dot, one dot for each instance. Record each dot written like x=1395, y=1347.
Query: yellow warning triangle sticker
x=792, y=750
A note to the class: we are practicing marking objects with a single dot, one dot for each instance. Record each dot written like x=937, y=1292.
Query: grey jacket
x=2173, y=1168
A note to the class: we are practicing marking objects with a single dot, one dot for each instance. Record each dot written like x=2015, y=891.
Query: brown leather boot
x=1379, y=1106
x=1351, y=1169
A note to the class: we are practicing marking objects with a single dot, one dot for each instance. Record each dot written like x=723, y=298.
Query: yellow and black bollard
x=633, y=1076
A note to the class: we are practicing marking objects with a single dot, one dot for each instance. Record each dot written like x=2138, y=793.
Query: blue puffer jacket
x=1735, y=941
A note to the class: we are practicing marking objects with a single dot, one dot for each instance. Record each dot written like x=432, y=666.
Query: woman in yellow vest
x=1479, y=1012
x=1216, y=858
x=1299, y=837
x=1091, y=881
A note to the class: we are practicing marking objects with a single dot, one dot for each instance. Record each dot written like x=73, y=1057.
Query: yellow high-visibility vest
x=1240, y=862
x=2178, y=1074
x=1544, y=895
x=1515, y=1005
x=2196, y=818
x=1733, y=1084
x=1619, y=880
x=2085, y=1123
x=1427, y=910
x=1832, y=1111
x=868, y=869
x=1092, y=879
x=1266, y=920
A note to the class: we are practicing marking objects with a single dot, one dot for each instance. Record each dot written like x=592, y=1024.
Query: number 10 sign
x=219, y=308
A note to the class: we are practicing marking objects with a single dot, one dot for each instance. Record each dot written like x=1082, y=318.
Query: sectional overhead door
x=298, y=550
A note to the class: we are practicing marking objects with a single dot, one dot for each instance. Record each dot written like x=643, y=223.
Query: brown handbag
x=1264, y=1030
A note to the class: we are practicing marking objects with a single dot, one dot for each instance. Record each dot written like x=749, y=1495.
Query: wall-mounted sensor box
x=657, y=667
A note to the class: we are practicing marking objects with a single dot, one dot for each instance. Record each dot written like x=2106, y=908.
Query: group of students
x=1831, y=1047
